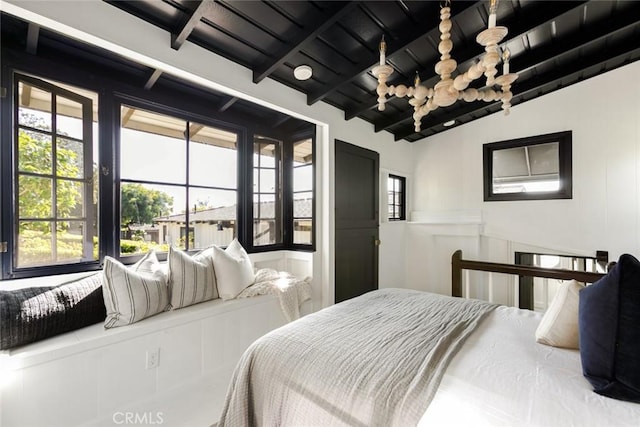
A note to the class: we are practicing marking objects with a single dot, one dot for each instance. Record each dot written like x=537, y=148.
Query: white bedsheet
x=502, y=377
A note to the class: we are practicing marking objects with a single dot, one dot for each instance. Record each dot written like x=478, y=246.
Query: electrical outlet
x=153, y=358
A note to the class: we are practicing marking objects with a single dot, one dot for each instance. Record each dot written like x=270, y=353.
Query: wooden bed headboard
x=458, y=264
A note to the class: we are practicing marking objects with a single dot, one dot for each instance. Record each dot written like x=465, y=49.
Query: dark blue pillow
x=609, y=323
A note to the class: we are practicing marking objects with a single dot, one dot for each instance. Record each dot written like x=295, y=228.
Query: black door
x=356, y=221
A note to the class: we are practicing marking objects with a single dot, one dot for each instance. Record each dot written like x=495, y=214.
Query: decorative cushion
x=191, y=278
x=559, y=325
x=234, y=270
x=609, y=322
x=134, y=293
x=32, y=314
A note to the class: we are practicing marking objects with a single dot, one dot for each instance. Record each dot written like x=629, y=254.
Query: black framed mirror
x=532, y=168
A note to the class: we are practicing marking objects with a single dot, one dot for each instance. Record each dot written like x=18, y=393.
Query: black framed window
x=148, y=169
x=303, y=197
x=178, y=183
x=53, y=178
x=267, y=191
x=532, y=168
x=397, y=197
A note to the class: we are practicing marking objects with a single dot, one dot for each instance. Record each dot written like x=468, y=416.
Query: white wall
x=604, y=212
x=98, y=23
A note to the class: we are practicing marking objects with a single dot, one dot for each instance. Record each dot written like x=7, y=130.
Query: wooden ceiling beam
x=152, y=79
x=334, y=12
x=227, y=104
x=177, y=40
x=616, y=53
x=518, y=25
x=194, y=128
x=281, y=121
x=33, y=33
x=127, y=116
x=25, y=97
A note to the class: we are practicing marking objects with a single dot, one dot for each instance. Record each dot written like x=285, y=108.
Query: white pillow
x=134, y=293
x=191, y=278
x=234, y=270
x=559, y=325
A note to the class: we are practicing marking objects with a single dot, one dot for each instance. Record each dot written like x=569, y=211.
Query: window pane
x=303, y=205
x=34, y=244
x=69, y=199
x=264, y=154
x=70, y=241
x=34, y=107
x=303, y=152
x=152, y=147
x=213, y=217
x=303, y=192
x=267, y=181
x=265, y=224
x=264, y=232
x=395, y=197
x=267, y=209
x=35, y=199
x=69, y=117
x=143, y=209
x=69, y=158
x=303, y=178
x=34, y=152
x=264, y=206
x=213, y=157
x=302, y=231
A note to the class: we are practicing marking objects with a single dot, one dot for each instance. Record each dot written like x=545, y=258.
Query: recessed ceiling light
x=449, y=123
x=303, y=72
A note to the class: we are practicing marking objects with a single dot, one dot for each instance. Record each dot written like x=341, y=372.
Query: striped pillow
x=191, y=278
x=134, y=293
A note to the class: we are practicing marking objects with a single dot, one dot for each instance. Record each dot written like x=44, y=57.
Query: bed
x=403, y=357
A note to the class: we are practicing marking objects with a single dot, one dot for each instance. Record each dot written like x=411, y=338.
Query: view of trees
x=38, y=241
x=35, y=156
x=139, y=205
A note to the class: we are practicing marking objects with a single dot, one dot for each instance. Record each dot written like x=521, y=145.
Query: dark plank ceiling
x=553, y=44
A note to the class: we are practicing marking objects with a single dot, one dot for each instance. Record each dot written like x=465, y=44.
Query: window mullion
x=54, y=169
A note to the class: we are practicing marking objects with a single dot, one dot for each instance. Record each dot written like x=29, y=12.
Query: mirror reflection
x=531, y=168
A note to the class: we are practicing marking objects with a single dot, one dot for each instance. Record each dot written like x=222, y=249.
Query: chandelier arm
x=447, y=90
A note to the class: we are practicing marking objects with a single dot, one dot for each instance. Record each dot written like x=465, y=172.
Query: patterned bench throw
x=290, y=290
x=375, y=360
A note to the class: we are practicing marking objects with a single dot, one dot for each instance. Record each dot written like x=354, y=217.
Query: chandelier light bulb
x=493, y=9
x=383, y=50
x=506, y=54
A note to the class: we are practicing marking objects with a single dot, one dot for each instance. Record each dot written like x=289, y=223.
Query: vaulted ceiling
x=553, y=44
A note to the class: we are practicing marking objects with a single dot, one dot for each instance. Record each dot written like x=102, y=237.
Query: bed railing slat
x=458, y=264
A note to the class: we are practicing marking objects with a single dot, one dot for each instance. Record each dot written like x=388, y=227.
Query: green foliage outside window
x=140, y=205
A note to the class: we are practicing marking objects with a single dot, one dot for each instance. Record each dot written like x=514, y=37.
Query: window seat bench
x=170, y=369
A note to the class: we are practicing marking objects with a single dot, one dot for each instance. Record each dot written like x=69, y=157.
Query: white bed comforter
x=501, y=378
x=375, y=360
